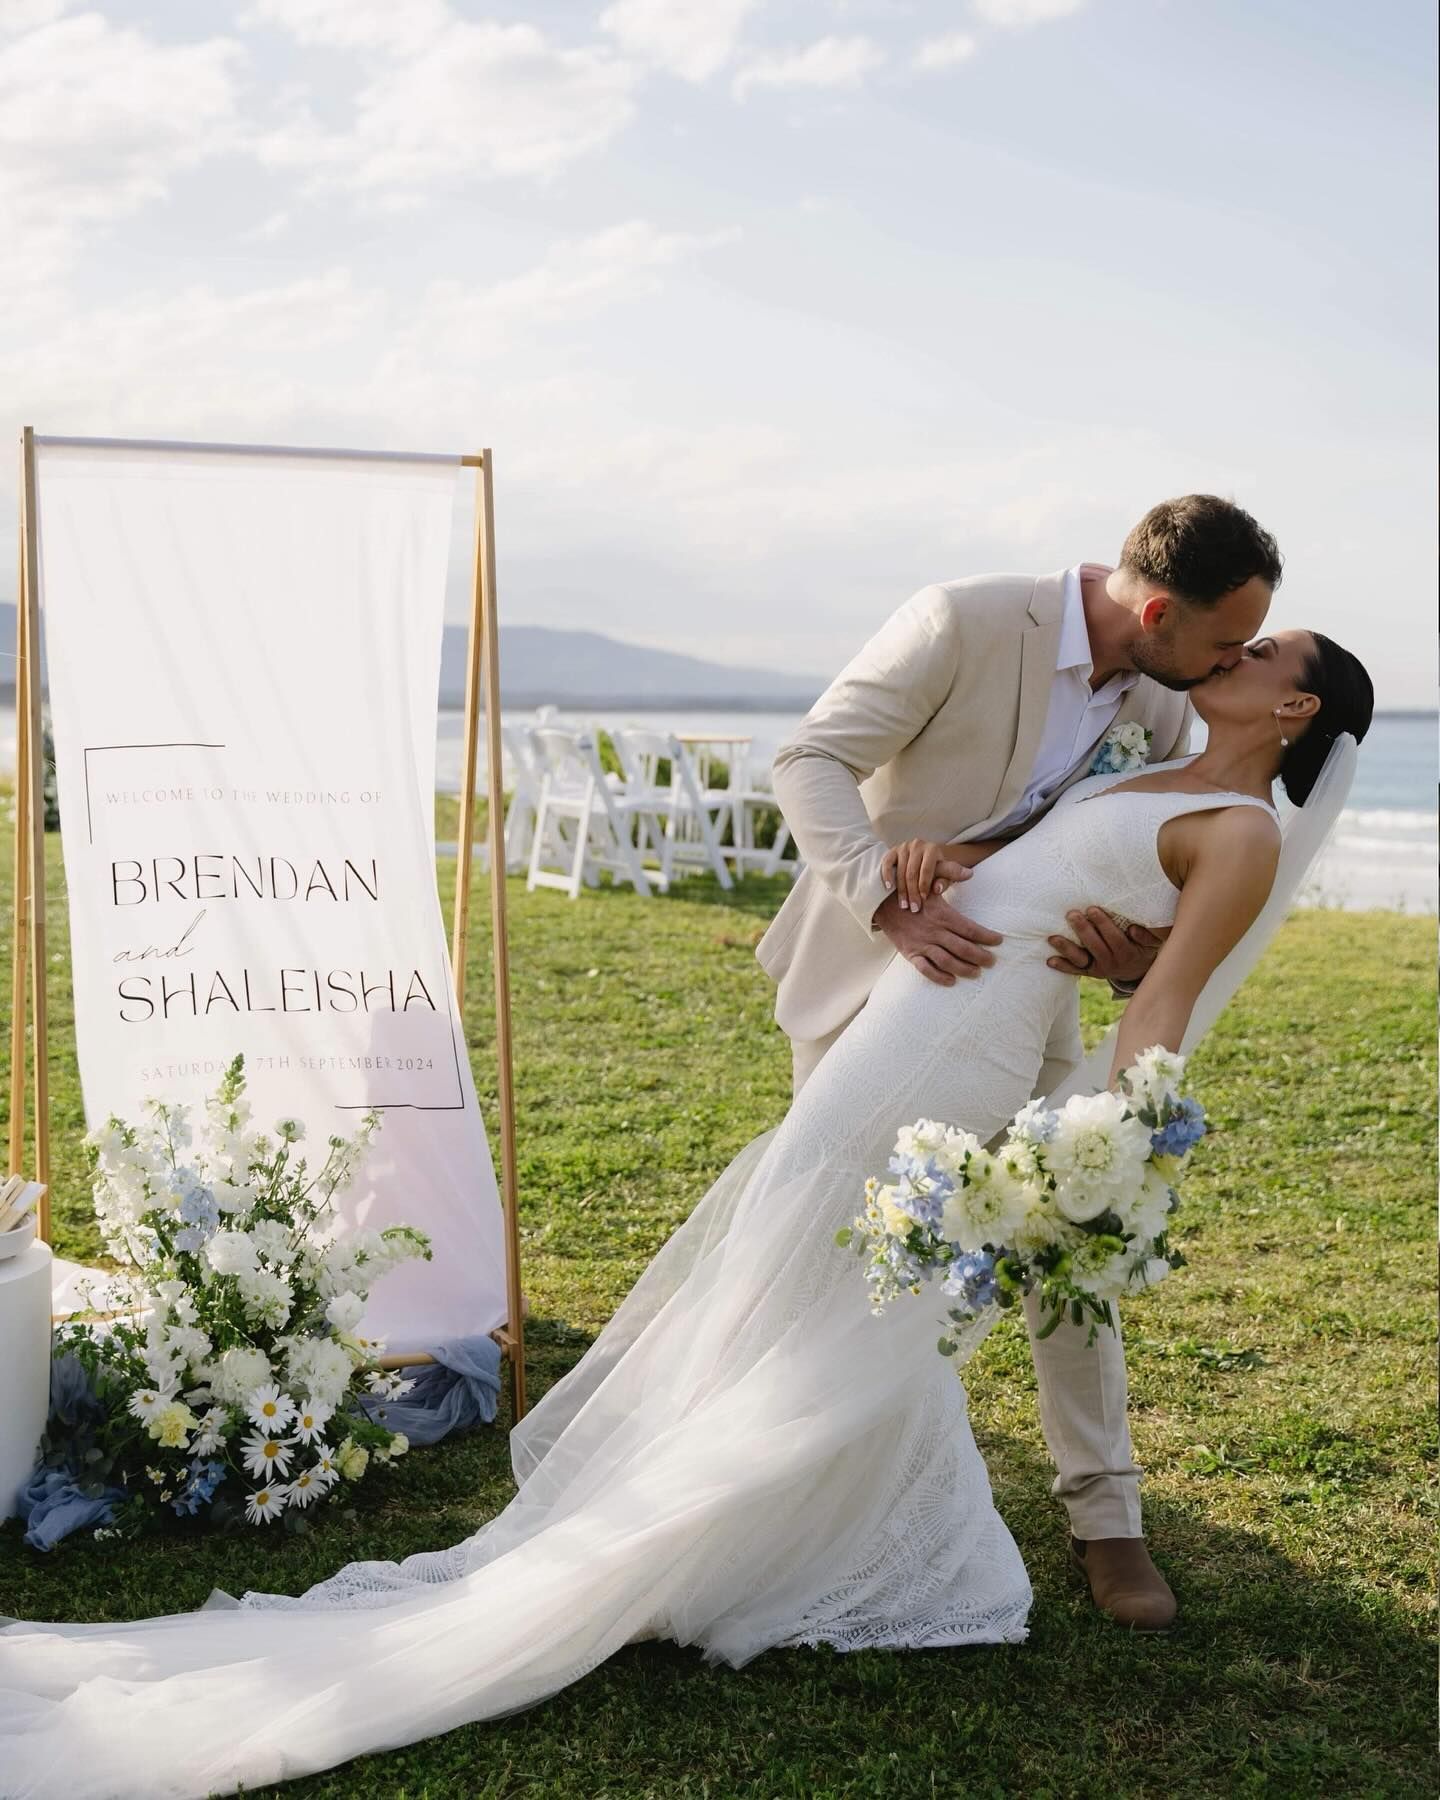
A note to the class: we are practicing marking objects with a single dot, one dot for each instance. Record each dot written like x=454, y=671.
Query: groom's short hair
x=1200, y=548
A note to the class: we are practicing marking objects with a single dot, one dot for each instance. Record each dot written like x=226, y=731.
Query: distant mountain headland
x=540, y=666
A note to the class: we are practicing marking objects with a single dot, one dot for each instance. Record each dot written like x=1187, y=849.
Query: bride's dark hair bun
x=1347, y=701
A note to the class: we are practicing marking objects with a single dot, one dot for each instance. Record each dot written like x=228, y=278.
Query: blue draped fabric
x=52, y=1506
x=460, y=1389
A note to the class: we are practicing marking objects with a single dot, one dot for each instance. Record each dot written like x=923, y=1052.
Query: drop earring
x=1284, y=741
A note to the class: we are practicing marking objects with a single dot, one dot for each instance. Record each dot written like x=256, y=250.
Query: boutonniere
x=1123, y=749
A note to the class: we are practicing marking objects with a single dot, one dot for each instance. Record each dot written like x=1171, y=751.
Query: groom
x=965, y=717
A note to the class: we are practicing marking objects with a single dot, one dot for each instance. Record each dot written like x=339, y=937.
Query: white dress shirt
x=1078, y=715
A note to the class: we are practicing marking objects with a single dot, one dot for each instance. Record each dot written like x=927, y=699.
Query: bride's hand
x=920, y=867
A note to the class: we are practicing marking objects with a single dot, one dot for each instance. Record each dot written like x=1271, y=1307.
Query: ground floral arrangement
x=1075, y=1202
x=231, y=1391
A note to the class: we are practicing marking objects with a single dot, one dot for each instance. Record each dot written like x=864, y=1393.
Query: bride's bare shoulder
x=1228, y=842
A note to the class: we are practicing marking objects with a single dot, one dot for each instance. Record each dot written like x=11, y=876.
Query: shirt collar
x=1074, y=638
x=1074, y=652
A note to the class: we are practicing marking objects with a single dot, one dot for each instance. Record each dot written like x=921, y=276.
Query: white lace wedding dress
x=745, y=1458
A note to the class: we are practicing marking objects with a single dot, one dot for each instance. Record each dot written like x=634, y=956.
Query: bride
x=746, y=1457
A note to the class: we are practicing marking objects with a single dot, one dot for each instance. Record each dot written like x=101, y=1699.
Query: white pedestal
x=24, y=1368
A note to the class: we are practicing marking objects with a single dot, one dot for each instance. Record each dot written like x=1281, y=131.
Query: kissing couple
x=995, y=796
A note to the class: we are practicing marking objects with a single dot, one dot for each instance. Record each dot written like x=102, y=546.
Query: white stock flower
x=1156, y=1073
x=164, y=1370
x=266, y=1296
x=345, y=1311
x=1145, y=1208
x=1096, y=1155
x=188, y=1343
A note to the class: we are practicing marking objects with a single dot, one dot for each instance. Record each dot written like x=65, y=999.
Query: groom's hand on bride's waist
x=1106, y=949
x=942, y=943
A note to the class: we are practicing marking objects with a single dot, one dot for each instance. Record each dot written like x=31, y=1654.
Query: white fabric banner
x=244, y=656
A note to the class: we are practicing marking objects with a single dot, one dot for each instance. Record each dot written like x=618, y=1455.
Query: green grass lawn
x=1282, y=1398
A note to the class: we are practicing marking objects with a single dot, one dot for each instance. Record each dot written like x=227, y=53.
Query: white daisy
x=266, y=1456
x=270, y=1408
x=146, y=1402
x=211, y=1434
x=326, y=1469
x=310, y=1420
x=306, y=1488
x=265, y=1504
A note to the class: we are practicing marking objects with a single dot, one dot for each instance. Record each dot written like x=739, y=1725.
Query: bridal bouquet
x=1075, y=1202
x=235, y=1393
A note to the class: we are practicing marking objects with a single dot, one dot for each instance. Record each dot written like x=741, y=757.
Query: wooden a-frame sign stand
x=28, y=966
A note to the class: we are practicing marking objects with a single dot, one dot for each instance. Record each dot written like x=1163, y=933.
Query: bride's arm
x=922, y=866
x=1229, y=866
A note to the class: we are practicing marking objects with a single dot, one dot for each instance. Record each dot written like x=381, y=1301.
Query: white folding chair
x=753, y=793
x=650, y=809
x=525, y=777
x=582, y=823
x=684, y=820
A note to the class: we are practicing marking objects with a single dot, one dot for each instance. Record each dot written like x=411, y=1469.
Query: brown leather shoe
x=1124, y=1583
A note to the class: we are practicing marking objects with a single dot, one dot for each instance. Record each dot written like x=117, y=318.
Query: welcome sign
x=244, y=656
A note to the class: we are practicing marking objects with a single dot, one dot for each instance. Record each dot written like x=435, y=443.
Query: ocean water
x=1383, y=854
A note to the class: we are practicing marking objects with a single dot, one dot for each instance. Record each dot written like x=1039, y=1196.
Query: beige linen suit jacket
x=930, y=731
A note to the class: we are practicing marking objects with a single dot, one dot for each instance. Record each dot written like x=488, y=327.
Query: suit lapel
x=1038, y=650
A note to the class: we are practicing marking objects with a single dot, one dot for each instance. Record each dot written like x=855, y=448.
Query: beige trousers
x=1082, y=1390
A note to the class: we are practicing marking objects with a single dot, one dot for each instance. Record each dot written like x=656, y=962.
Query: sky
x=771, y=310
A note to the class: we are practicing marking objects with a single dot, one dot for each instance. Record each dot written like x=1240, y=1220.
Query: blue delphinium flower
x=205, y=1477
x=923, y=1188
x=971, y=1280
x=1182, y=1132
x=198, y=1207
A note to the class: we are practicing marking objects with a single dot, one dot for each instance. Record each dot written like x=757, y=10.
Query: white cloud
x=193, y=363
x=17, y=16
x=947, y=52
x=478, y=100
x=830, y=62
x=95, y=120
x=574, y=279
x=302, y=357
x=1015, y=15
x=693, y=39
x=397, y=25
